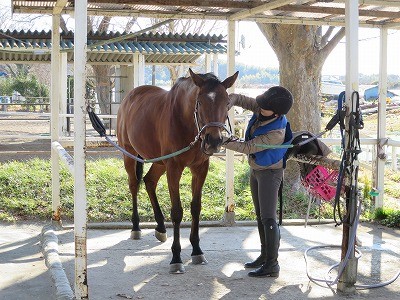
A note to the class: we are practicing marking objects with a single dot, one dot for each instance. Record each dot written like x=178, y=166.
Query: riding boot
x=272, y=238
x=260, y=260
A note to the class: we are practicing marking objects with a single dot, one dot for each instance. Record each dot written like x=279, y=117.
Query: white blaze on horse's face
x=212, y=96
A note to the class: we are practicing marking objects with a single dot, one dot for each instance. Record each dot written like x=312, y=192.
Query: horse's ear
x=196, y=78
x=227, y=83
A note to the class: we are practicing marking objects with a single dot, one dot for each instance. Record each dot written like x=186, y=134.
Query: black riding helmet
x=277, y=98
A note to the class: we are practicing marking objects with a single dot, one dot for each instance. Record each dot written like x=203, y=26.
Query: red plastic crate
x=321, y=183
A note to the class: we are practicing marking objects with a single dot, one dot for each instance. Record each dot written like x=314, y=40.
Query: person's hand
x=226, y=140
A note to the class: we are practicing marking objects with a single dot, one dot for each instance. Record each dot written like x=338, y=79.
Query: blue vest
x=269, y=157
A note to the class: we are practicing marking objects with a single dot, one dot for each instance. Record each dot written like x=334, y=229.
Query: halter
x=210, y=124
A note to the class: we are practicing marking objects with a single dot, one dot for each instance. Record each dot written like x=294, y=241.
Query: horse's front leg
x=199, y=174
x=174, y=174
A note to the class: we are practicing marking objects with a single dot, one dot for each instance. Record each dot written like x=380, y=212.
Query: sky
x=258, y=52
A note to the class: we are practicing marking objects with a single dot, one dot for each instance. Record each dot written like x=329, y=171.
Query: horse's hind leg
x=131, y=167
x=151, y=179
x=199, y=174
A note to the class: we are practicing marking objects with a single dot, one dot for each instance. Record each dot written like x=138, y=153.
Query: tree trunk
x=301, y=51
x=300, y=68
x=103, y=87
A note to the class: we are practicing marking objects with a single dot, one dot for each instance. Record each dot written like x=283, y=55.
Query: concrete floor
x=121, y=268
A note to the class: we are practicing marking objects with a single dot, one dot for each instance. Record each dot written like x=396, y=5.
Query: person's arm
x=274, y=137
x=244, y=102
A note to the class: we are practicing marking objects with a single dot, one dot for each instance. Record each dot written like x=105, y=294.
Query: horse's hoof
x=136, y=235
x=176, y=268
x=199, y=260
x=162, y=237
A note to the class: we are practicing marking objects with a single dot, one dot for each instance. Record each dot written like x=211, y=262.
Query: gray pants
x=264, y=186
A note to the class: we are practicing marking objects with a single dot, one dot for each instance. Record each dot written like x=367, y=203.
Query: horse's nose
x=213, y=141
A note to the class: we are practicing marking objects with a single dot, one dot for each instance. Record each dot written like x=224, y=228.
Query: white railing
x=368, y=145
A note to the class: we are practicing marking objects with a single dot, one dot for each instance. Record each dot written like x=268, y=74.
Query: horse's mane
x=210, y=79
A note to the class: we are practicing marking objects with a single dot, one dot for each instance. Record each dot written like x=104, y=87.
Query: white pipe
x=80, y=214
x=64, y=156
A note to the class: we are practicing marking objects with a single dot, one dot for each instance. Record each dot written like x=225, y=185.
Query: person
x=268, y=126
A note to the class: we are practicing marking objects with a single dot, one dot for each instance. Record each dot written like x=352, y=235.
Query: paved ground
x=120, y=268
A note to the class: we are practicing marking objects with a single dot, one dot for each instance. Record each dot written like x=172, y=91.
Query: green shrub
x=388, y=217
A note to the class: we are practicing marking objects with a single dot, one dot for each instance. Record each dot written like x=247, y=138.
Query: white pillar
x=181, y=71
x=80, y=209
x=54, y=106
x=207, y=62
x=138, y=69
x=394, y=159
x=381, y=134
x=63, y=95
x=229, y=217
x=349, y=275
x=215, y=64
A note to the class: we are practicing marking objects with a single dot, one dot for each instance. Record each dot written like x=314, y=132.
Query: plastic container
x=321, y=183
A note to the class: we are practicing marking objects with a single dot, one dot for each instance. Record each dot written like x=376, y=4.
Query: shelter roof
x=25, y=46
x=372, y=13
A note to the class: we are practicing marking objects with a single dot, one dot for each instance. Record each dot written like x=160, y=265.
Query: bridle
x=210, y=124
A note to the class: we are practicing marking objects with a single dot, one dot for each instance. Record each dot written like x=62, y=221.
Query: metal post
x=381, y=155
x=349, y=276
x=55, y=96
x=80, y=213
x=229, y=215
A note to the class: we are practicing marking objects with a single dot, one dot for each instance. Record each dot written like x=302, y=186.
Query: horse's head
x=212, y=107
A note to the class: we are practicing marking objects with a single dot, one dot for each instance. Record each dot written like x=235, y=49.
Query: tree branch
x=325, y=51
x=325, y=37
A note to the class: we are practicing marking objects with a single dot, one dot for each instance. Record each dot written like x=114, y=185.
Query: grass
x=25, y=194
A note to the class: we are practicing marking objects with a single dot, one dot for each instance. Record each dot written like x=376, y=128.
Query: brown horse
x=152, y=123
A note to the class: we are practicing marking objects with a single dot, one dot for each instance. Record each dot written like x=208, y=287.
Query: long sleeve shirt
x=273, y=137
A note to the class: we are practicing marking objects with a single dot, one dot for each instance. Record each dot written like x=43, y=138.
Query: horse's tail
x=139, y=171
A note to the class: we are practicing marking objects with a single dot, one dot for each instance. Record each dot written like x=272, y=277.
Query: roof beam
x=338, y=11
x=311, y=21
x=259, y=9
x=388, y=3
x=60, y=4
x=195, y=3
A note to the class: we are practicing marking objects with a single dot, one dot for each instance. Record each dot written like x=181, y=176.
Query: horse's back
x=138, y=116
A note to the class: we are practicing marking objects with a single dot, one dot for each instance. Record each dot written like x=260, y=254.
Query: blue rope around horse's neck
x=152, y=160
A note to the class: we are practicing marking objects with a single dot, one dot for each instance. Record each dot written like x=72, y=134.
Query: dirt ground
x=24, y=137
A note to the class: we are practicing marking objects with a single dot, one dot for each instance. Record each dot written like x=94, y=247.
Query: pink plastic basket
x=321, y=183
